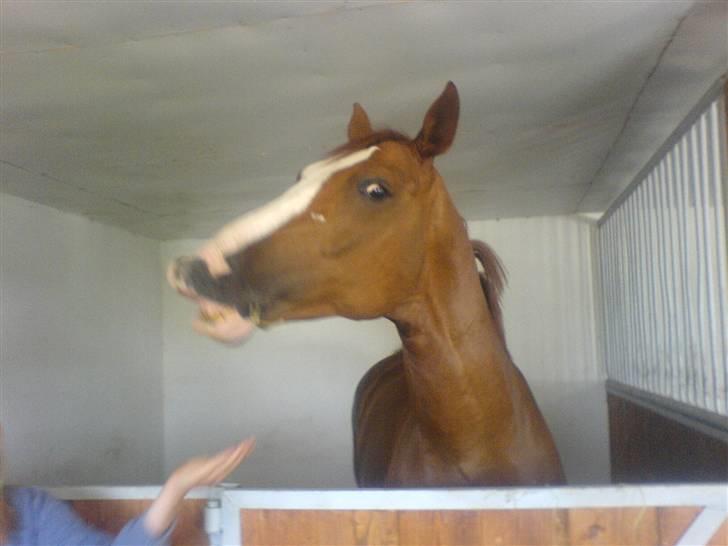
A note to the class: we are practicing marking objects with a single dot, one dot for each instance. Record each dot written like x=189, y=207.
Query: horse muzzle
x=191, y=277
x=221, y=315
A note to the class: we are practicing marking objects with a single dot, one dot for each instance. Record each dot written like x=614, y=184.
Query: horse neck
x=456, y=363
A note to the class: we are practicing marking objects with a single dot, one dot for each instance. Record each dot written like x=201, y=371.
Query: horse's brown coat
x=450, y=408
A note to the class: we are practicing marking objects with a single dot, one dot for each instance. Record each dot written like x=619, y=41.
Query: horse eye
x=374, y=190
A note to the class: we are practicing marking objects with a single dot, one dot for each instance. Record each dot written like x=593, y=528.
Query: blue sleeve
x=55, y=523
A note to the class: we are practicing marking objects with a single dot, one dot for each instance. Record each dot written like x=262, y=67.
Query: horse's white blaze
x=258, y=224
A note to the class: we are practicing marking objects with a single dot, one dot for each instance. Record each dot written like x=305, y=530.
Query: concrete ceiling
x=170, y=118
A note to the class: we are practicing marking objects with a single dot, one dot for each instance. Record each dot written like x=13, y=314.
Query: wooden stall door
x=607, y=526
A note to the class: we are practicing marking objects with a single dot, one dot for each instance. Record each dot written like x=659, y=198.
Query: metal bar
x=630, y=292
x=668, y=370
x=658, y=338
x=680, y=213
x=712, y=495
x=694, y=170
x=722, y=143
x=617, y=302
x=641, y=199
x=660, y=304
x=719, y=157
x=99, y=492
x=612, y=301
x=602, y=301
x=631, y=359
x=231, y=521
x=711, y=297
x=212, y=522
x=642, y=269
x=685, y=205
x=703, y=528
x=674, y=273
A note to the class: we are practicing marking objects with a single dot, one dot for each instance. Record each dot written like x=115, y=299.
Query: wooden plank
x=498, y=527
x=253, y=527
x=602, y=526
x=458, y=527
x=646, y=447
x=112, y=515
x=297, y=527
x=272, y=527
x=416, y=527
x=376, y=527
x=540, y=527
x=440, y=527
x=336, y=526
x=577, y=527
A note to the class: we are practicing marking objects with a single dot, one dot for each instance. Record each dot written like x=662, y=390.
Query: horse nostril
x=178, y=273
x=194, y=275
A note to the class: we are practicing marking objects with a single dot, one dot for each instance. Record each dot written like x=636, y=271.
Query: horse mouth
x=222, y=322
x=217, y=320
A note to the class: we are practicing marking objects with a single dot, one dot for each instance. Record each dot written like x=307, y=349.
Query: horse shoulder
x=535, y=456
x=380, y=406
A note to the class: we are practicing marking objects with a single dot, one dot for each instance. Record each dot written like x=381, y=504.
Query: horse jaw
x=222, y=323
x=216, y=320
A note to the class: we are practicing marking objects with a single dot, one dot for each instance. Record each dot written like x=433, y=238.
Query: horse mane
x=492, y=281
x=372, y=139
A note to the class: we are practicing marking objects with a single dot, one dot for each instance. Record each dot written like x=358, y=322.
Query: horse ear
x=359, y=126
x=441, y=122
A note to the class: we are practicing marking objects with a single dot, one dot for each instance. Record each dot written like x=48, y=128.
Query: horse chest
x=396, y=453
x=390, y=448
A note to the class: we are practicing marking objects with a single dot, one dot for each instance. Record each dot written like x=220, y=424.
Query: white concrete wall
x=87, y=395
x=551, y=331
x=293, y=386
x=80, y=349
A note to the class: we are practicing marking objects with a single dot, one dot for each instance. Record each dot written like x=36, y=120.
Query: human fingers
x=232, y=461
x=214, y=468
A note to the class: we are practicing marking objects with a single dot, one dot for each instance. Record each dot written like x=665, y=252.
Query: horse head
x=349, y=238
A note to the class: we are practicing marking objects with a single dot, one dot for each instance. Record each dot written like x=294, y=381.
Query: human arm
x=194, y=473
x=43, y=519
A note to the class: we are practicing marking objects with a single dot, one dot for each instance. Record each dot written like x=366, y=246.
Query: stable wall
x=549, y=313
x=293, y=385
x=80, y=349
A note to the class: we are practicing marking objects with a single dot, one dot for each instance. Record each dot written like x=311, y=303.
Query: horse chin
x=222, y=322
x=217, y=320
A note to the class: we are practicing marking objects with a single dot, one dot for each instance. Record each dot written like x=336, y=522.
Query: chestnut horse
x=370, y=231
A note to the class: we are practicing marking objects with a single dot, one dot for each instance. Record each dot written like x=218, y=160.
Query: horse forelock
x=492, y=280
x=372, y=139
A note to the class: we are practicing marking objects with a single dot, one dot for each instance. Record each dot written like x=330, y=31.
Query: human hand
x=195, y=472
x=210, y=470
